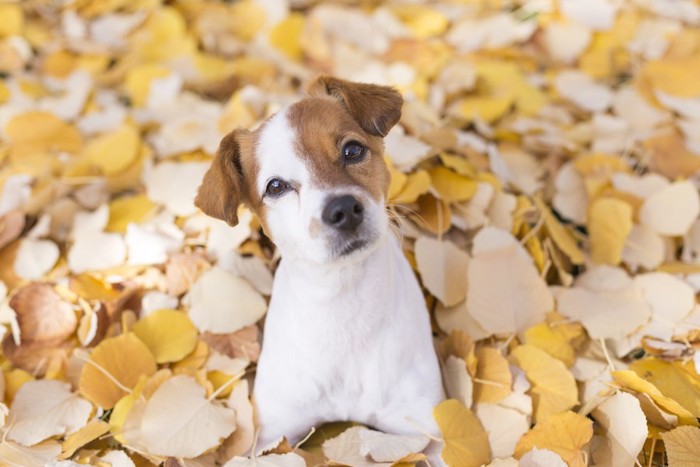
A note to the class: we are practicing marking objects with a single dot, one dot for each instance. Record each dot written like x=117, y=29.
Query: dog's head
x=314, y=173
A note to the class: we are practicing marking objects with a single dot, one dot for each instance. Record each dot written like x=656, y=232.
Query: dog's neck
x=374, y=272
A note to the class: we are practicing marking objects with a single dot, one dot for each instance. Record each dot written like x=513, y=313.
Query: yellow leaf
x=561, y=236
x=433, y=215
x=246, y=17
x=11, y=19
x=121, y=410
x=416, y=184
x=37, y=131
x=553, y=389
x=4, y=92
x=115, y=151
x=459, y=164
x=169, y=335
x=90, y=432
x=128, y=209
x=674, y=380
x=14, y=380
x=486, y=108
x=466, y=442
x=423, y=21
x=450, y=186
x=397, y=182
x=285, y=35
x=115, y=367
x=609, y=224
x=682, y=446
x=565, y=433
x=628, y=379
x=551, y=340
x=194, y=361
x=139, y=79
x=493, y=378
x=676, y=77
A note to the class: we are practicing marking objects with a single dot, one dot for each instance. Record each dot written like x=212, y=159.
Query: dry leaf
x=609, y=224
x=289, y=459
x=42, y=409
x=553, y=387
x=682, y=446
x=504, y=427
x=565, y=433
x=466, y=442
x=443, y=269
x=180, y=421
x=42, y=316
x=625, y=427
x=222, y=303
x=499, y=262
x=168, y=334
x=114, y=368
x=458, y=383
x=672, y=210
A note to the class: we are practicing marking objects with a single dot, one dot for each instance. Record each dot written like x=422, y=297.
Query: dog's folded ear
x=376, y=108
x=221, y=192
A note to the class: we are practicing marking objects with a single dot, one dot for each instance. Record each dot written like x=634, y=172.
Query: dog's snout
x=343, y=213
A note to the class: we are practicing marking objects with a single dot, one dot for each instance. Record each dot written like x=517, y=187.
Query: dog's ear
x=376, y=108
x=221, y=190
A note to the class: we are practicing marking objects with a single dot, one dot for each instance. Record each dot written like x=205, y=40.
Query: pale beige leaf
x=625, y=427
x=179, y=421
x=504, y=427
x=605, y=309
x=643, y=248
x=384, y=447
x=580, y=89
x=36, y=456
x=46, y=408
x=443, y=269
x=93, y=250
x=221, y=302
x=682, y=446
x=345, y=449
x=541, y=458
x=671, y=211
x=175, y=185
x=458, y=383
x=271, y=460
x=35, y=258
x=500, y=263
x=242, y=439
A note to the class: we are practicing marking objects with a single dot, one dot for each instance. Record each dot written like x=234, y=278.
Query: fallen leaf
x=168, y=334
x=504, y=427
x=498, y=258
x=609, y=224
x=180, y=421
x=222, y=303
x=443, y=269
x=42, y=315
x=625, y=427
x=42, y=409
x=566, y=434
x=289, y=459
x=672, y=210
x=466, y=442
x=554, y=389
x=682, y=445
x=114, y=368
x=674, y=380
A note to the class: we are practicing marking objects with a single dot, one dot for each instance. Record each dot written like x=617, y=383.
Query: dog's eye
x=353, y=152
x=276, y=187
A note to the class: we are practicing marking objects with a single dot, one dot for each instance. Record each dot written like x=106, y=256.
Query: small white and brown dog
x=347, y=334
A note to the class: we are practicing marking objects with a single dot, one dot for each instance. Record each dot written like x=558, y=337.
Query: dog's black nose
x=343, y=213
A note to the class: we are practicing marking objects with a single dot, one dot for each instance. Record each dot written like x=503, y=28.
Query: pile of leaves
x=543, y=178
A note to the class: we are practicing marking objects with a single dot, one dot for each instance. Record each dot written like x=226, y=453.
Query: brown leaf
x=244, y=343
x=44, y=318
x=182, y=270
x=11, y=225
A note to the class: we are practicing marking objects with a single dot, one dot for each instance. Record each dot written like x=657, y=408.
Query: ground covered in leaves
x=544, y=179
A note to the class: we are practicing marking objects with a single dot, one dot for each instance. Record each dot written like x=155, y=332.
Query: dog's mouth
x=352, y=247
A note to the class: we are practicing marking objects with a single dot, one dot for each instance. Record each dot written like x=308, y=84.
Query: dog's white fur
x=344, y=340
x=346, y=337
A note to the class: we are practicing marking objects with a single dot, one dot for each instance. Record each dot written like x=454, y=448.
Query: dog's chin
x=352, y=248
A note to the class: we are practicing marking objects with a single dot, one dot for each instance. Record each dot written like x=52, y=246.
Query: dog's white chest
x=352, y=345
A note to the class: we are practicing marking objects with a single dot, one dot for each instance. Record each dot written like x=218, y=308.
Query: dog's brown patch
x=323, y=126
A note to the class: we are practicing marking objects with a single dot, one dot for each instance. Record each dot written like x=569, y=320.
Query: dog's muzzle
x=344, y=213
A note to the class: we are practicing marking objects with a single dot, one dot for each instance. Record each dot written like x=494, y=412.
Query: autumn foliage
x=544, y=183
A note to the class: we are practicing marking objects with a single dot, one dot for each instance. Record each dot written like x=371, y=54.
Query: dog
x=347, y=334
